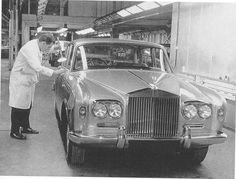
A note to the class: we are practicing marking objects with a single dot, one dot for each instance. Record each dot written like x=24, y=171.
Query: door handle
x=63, y=86
x=53, y=86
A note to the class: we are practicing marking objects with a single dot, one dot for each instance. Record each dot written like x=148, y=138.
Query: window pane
x=78, y=60
x=120, y=55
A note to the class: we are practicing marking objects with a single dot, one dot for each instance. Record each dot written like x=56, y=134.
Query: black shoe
x=30, y=131
x=17, y=136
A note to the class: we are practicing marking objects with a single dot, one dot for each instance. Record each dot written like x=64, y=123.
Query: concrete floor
x=28, y=157
x=43, y=154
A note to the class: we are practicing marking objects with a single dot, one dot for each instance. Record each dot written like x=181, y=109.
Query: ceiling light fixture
x=123, y=13
x=148, y=5
x=134, y=9
x=163, y=3
x=85, y=31
x=63, y=29
x=39, y=28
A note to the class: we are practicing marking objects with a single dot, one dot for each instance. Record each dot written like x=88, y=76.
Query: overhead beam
x=57, y=21
x=128, y=29
x=147, y=22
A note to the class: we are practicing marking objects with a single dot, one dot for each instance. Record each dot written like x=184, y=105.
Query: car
x=123, y=94
x=56, y=52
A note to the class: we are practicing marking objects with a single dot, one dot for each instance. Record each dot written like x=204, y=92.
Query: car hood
x=126, y=81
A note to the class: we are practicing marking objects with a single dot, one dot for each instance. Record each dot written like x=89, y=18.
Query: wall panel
x=206, y=39
x=82, y=8
x=95, y=8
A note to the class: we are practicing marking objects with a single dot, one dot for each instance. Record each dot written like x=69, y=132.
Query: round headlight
x=204, y=111
x=115, y=110
x=189, y=111
x=99, y=110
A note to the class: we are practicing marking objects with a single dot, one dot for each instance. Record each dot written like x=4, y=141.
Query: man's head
x=45, y=42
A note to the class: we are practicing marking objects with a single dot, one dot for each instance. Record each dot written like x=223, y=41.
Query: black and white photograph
x=125, y=89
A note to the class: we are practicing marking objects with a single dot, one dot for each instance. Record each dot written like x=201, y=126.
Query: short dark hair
x=46, y=37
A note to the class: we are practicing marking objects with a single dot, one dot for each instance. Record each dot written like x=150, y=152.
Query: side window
x=144, y=56
x=78, y=60
x=67, y=51
x=166, y=64
x=157, y=58
x=161, y=60
x=69, y=57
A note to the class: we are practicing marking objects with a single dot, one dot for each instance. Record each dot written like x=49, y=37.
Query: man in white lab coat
x=24, y=76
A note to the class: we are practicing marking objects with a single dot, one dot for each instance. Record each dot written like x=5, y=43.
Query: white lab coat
x=24, y=75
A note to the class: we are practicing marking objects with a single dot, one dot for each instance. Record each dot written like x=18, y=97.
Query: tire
x=62, y=125
x=75, y=155
x=56, y=112
x=195, y=156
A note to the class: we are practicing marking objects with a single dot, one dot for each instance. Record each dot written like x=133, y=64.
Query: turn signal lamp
x=82, y=111
x=221, y=114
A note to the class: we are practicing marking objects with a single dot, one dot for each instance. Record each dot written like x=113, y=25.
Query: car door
x=61, y=84
x=69, y=80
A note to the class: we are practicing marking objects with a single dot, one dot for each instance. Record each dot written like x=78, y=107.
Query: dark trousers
x=19, y=118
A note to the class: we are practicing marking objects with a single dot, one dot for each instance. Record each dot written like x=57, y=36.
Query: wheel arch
x=67, y=110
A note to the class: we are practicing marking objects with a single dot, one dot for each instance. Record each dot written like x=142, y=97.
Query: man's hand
x=59, y=70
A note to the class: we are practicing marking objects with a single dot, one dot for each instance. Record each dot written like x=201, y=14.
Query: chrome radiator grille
x=153, y=117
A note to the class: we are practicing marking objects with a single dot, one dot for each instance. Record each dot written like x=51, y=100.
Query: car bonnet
x=127, y=81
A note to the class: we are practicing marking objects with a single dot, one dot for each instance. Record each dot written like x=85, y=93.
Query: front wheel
x=74, y=153
x=195, y=156
x=56, y=112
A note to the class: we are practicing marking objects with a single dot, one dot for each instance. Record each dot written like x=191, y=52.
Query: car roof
x=114, y=40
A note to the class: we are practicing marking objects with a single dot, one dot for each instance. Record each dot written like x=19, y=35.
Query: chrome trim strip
x=121, y=141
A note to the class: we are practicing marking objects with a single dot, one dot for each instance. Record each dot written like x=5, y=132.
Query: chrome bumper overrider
x=187, y=140
x=122, y=141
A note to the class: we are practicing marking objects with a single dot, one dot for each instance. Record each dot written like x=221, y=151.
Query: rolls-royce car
x=117, y=94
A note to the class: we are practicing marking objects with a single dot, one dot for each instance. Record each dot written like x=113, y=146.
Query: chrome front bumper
x=186, y=140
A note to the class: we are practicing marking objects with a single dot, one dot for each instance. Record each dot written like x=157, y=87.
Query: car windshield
x=132, y=56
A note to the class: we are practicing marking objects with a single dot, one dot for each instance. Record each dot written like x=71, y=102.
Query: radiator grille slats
x=152, y=117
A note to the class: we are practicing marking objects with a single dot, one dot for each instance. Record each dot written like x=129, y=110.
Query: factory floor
x=42, y=154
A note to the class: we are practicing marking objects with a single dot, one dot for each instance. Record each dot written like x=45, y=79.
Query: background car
x=118, y=94
x=57, y=51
